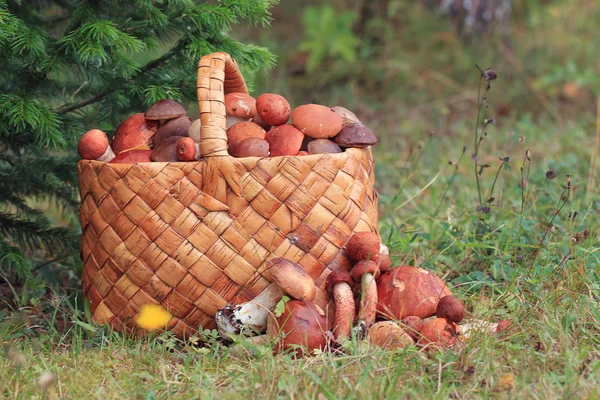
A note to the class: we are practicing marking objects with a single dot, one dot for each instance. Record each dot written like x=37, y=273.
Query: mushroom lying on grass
x=250, y=318
x=303, y=326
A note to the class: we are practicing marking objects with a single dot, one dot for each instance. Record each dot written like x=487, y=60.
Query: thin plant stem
x=562, y=199
x=476, y=148
x=496, y=179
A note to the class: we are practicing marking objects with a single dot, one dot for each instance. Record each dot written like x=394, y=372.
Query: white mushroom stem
x=107, y=156
x=368, y=304
x=471, y=328
x=250, y=317
x=344, y=310
x=383, y=249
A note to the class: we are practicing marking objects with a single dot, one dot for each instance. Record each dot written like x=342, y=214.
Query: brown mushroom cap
x=301, y=324
x=405, y=291
x=93, y=144
x=253, y=147
x=355, y=135
x=132, y=157
x=273, y=109
x=437, y=331
x=292, y=279
x=241, y=131
x=284, y=140
x=363, y=245
x=364, y=267
x=413, y=325
x=165, y=109
x=187, y=150
x=240, y=105
x=348, y=117
x=451, y=308
x=134, y=132
x=323, y=146
x=316, y=121
x=166, y=151
x=337, y=276
x=173, y=127
x=388, y=335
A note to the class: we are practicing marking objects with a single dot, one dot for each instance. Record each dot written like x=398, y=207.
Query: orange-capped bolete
x=405, y=291
x=239, y=107
x=273, y=109
x=136, y=131
x=366, y=271
x=388, y=335
x=302, y=327
x=316, y=121
x=94, y=145
x=251, y=317
x=237, y=133
x=339, y=284
x=284, y=140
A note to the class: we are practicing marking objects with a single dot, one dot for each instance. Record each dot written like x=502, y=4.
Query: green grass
x=525, y=261
x=552, y=350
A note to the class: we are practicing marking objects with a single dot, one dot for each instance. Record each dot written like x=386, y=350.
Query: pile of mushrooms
x=255, y=128
x=388, y=307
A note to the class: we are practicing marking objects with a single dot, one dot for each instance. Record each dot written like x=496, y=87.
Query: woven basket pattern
x=196, y=236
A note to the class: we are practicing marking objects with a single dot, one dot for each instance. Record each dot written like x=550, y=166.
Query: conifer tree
x=72, y=65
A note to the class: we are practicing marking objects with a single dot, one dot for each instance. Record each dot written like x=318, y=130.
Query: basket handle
x=218, y=74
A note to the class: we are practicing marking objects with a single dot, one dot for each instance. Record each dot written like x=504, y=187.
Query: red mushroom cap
x=273, y=109
x=450, y=308
x=317, y=121
x=388, y=335
x=187, y=149
x=301, y=324
x=363, y=245
x=364, y=267
x=165, y=109
x=240, y=105
x=237, y=133
x=337, y=276
x=134, y=132
x=132, y=157
x=437, y=331
x=413, y=325
x=383, y=261
x=405, y=291
x=93, y=145
x=284, y=140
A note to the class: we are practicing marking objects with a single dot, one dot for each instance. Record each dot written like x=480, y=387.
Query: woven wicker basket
x=195, y=236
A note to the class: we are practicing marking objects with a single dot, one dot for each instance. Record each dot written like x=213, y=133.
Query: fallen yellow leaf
x=152, y=317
